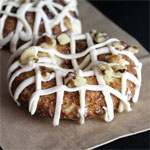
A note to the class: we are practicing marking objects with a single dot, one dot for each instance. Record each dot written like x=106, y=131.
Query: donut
x=76, y=77
x=23, y=21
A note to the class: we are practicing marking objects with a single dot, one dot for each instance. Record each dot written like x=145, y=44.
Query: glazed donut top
x=24, y=31
x=90, y=66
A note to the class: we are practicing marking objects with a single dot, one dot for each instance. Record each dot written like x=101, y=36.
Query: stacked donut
x=67, y=75
x=23, y=21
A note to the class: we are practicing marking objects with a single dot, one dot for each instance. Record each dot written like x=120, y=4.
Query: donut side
x=110, y=67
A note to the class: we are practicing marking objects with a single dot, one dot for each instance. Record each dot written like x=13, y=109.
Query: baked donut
x=23, y=21
x=76, y=77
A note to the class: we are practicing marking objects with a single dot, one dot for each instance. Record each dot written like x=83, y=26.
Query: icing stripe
x=22, y=86
x=59, y=99
x=110, y=110
x=12, y=68
x=24, y=31
x=90, y=55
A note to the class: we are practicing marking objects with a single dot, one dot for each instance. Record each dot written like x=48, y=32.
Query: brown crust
x=94, y=100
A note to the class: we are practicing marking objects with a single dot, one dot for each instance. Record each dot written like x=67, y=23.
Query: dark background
x=133, y=17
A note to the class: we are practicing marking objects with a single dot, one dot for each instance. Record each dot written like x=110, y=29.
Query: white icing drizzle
x=129, y=76
x=24, y=31
x=90, y=55
x=59, y=99
x=109, y=115
x=82, y=92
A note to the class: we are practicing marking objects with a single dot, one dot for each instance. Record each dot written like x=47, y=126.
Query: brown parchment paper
x=21, y=131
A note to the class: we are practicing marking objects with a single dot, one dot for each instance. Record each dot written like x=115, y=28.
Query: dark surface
x=133, y=17
x=139, y=141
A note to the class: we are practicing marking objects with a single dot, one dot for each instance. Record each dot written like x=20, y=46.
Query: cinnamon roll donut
x=76, y=77
x=23, y=21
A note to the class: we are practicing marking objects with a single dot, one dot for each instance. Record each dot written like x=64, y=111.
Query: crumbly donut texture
x=23, y=21
x=81, y=79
